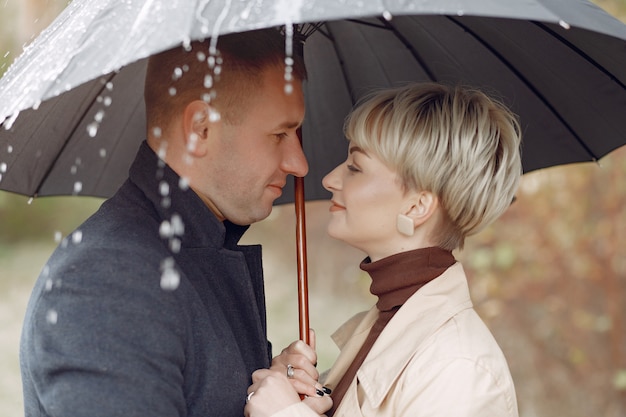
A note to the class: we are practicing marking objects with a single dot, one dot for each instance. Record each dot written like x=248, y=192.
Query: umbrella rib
x=388, y=25
x=341, y=64
x=580, y=52
x=75, y=128
x=528, y=84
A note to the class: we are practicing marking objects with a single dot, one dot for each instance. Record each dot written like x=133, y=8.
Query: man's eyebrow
x=357, y=149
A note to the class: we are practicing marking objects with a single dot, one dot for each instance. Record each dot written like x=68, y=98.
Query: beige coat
x=434, y=358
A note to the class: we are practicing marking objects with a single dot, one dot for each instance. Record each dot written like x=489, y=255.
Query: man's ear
x=196, y=125
x=422, y=205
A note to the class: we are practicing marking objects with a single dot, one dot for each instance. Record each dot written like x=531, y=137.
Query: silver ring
x=250, y=394
x=290, y=371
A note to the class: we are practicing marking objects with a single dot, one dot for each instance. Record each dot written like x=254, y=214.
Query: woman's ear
x=196, y=125
x=421, y=207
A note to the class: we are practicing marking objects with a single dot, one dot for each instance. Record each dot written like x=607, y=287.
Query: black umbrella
x=559, y=64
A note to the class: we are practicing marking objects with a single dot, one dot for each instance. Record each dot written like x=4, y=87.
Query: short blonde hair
x=455, y=142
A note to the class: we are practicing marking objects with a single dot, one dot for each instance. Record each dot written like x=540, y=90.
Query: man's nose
x=294, y=162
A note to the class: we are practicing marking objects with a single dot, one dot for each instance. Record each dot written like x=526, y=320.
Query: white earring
x=404, y=224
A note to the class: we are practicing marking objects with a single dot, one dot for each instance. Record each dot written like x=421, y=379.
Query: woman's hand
x=271, y=391
x=297, y=361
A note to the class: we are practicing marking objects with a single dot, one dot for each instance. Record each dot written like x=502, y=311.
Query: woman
x=427, y=166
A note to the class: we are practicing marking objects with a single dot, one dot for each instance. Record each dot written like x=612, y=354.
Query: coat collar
x=160, y=184
x=424, y=312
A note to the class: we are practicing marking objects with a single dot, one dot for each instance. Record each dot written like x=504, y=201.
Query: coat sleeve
x=106, y=343
x=296, y=410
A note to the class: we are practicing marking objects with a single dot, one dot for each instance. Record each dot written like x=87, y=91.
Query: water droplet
x=183, y=183
x=564, y=24
x=157, y=132
x=172, y=91
x=387, y=15
x=3, y=167
x=288, y=88
x=109, y=86
x=99, y=116
x=170, y=278
x=78, y=187
x=77, y=237
x=58, y=236
x=30, y=201
x=165, y=230
x=178, y=226
x=178, y=73
x=92, y=129
x=48, y=285
x=73, y=169
x=164, y=189
x=10, y=149
x=201, y=56
x=175, y=245
x=208, y=81
x=214, y=115
x=107, y=101
x=52, y=316
x=103, y=153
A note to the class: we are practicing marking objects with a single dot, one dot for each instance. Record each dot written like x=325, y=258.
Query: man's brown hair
x=226, y=78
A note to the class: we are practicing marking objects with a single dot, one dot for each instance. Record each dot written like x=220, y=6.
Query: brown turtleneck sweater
x=394, y=280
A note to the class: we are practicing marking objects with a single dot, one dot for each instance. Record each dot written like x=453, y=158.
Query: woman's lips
x=336, y=207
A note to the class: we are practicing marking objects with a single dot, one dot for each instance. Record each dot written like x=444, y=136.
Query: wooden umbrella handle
x=301, y=256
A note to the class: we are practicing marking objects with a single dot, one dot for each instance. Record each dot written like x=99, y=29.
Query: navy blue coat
x=132, y=316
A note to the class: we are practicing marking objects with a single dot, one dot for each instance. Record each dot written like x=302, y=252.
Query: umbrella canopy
x=72, y=107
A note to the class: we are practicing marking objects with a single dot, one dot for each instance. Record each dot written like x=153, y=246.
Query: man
x=155, y=310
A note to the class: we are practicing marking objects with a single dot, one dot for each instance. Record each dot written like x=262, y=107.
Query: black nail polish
x=327, y=390
x=319, y=392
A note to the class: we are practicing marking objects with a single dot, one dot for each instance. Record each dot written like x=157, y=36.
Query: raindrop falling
x=165, y=230
x=178, y=73
x=175, y=245
x=10, y=149
x=107, y=101
x=288, y=58
x=99, y=116
x=3, y=167
x=214, y=115
x=208, y=81
x=73, y=169
x=172, y=91
x=78, y=187
x=77, y=237
x=92, y=129
x=48, y=285
x=30, y=201
x=164, y=189
x=564, y=24
x=58, y=236
x=103, y=153
x=178, y=227
x=183, y=183
x=52, y=316
x=387, y=15
x=170, y=278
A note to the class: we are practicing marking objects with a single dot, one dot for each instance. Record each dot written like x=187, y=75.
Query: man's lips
x=336, y=207
x=277, y=187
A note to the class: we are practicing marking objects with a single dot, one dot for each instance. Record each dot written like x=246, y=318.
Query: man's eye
x=281, y=135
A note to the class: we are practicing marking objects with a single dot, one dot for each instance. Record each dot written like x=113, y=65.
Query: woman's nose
x=332, y=181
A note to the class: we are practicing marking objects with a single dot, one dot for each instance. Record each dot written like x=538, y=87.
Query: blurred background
x=549, y=277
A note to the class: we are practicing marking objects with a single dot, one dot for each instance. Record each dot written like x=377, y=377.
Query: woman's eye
x=353, y=168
